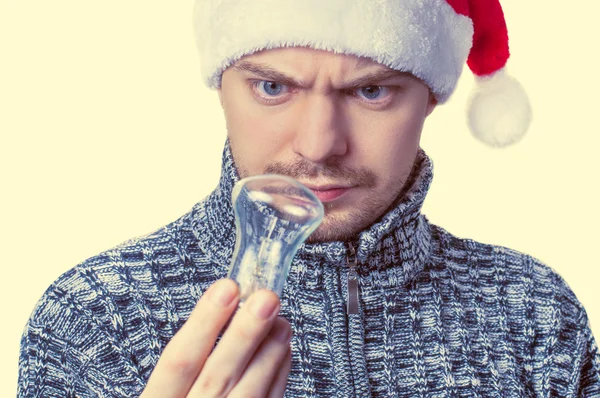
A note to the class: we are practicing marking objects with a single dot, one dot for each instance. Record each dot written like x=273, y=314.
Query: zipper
x=358, y=369
x=352, y=301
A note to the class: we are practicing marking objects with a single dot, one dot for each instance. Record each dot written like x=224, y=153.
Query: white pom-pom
x=499, y=110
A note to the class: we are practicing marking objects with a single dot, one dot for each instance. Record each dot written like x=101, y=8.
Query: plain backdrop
x=107, y=132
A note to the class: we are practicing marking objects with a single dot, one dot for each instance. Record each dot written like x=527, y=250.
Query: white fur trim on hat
x=426, y=37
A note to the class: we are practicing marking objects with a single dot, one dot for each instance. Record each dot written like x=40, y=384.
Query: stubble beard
x=346, y=223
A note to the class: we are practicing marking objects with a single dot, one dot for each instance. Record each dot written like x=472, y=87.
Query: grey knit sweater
x=437, y=316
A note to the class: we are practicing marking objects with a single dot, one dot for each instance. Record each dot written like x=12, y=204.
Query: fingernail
x=283, y=334
x=262, y=306
x=223, y=293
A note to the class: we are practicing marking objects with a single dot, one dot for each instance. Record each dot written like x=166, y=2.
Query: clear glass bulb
x=274, y=215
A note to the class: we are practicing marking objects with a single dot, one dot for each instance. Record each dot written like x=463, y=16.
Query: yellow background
x=107, y=132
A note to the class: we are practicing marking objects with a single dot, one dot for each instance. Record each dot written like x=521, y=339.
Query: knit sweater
x=437, y=315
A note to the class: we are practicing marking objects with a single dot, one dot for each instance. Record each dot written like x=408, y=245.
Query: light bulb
x=274, y=215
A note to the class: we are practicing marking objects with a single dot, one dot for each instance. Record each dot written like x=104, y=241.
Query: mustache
x=333, y=170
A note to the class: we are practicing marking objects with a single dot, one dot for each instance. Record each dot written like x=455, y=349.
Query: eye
x=270, y=89
x=373, y=93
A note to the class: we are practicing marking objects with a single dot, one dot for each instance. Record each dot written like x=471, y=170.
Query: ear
x=220, y=97
x=431, y=105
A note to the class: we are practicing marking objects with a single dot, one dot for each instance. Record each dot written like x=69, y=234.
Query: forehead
x=309, y=68
x=305, y=58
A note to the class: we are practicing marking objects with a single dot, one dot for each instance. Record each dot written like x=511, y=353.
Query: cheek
x=255, y=137
x=390, y=148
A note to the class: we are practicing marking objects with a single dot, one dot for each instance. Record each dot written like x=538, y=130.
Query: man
x=379, y=302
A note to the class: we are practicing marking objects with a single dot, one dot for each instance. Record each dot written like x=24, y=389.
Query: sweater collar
x=398, y=243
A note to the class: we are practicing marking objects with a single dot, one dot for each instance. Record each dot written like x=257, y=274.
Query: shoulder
x=531, y=292
x=155, y=278
x=524, y=304
x=112, y=314
x=496, y=263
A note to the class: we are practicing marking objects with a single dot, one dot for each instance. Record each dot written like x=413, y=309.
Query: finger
x=266, y=363
x=186, y=353
x=247, y=330
x=280, y=382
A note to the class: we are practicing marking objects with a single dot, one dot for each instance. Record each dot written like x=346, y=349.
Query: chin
x=337, y=228
x=317, y=237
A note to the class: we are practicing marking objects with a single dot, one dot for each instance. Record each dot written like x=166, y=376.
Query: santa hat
x=431, y=39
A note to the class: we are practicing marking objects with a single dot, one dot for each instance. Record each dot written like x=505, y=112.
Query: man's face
x=327, y=120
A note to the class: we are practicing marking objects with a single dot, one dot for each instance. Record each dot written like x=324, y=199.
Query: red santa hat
x=432, y=39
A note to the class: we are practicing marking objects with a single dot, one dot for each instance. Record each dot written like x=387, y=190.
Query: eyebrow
x=268, y=73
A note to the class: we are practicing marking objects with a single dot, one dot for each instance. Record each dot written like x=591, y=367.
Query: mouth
x=328, y=193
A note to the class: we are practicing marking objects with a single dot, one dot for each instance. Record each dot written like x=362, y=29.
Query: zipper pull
x=352, y=303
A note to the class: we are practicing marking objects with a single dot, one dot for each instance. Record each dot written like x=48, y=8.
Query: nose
x=320, y=131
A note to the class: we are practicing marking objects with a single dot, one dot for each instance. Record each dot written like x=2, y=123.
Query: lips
x=328, y=193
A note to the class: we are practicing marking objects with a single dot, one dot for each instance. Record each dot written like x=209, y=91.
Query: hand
x=253, y=358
